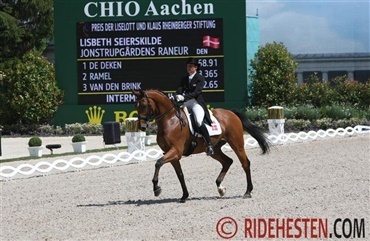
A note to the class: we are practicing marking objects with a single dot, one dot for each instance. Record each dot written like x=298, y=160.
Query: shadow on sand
x=140, y=202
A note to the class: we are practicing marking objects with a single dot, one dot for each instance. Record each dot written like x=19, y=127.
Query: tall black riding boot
x=203, y=130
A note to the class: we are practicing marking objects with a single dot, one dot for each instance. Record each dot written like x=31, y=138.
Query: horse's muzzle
x=143, y=126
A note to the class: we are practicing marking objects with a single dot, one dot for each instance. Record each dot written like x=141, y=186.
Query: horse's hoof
x=221, y=191
x=157, y=191
x=184, y=197
x=247, y=195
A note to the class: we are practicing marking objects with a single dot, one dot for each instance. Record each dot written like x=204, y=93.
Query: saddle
x=213, y=129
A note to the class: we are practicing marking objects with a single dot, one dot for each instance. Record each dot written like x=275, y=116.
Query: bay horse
x=174, y=137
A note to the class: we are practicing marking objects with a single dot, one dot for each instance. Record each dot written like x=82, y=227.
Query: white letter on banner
x=86, y=9
x=173, y=9
x=137, y=8
x=151, y=8
x=103, y=9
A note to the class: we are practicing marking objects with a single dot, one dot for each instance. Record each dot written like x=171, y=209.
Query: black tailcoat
x=193, y=90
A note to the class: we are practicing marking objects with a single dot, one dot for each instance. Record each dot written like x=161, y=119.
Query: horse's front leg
x=170, y=156
x=177, y=166
x=157, y=189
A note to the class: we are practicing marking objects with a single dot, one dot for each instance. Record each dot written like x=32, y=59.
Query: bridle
x=150, y=116
x=149, y=110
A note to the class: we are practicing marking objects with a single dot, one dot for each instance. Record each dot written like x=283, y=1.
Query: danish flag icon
x=212, y=42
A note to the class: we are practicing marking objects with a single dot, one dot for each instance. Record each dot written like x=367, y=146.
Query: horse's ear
x=137, y=92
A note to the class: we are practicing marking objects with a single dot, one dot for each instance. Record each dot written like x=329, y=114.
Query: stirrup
x=210, y=150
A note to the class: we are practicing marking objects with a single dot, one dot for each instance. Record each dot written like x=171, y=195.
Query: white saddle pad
x=213, y=130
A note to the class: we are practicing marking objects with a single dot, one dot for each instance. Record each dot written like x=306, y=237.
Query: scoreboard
x=113, y=57
x=103, y=49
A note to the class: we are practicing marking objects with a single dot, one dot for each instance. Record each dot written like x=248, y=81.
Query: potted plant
x=35, y=146
x=79, y=143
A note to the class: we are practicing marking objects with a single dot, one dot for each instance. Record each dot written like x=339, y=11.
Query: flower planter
x=35, y=151
x=79, y=147
x=148, y=140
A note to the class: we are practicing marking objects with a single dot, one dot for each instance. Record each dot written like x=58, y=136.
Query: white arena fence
x=43, y=167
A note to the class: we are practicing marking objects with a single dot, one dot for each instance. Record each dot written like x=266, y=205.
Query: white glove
x=180, y=98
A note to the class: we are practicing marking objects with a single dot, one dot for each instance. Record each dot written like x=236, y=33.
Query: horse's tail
x=256, y=132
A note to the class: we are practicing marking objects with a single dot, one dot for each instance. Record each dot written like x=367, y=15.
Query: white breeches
x=199, y=114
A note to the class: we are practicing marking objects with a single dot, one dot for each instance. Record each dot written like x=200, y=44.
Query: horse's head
x=152, y=105
x=144, y=108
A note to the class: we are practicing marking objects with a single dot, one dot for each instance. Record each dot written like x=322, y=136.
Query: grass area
x=58, y=155
x=123, y=148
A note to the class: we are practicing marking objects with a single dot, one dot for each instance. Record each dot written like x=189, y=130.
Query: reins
x=159, y=117
x=178, y=113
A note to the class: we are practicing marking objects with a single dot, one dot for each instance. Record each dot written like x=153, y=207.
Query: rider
x=190, y=91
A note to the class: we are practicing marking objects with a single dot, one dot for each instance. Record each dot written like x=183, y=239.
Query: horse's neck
x=162, y=103
x=165, y=107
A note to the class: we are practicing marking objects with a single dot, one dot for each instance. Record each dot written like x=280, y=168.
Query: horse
x=174, y=137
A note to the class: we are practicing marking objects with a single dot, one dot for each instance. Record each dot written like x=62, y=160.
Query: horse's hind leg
x=246, y=164
x=239, y=150
x=247, y=169
x=225, y=162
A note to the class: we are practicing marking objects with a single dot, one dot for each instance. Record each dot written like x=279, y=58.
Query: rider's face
x=191, y=68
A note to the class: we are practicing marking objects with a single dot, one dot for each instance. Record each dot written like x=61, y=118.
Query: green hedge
x=309, y=112
x=296, y=125
x=301, y=118
x=306, y=118
x=317, y=93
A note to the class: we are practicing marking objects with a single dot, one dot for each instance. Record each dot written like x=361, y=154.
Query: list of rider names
x=114, y=57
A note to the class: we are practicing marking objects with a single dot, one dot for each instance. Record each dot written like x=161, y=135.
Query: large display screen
x=113, y=57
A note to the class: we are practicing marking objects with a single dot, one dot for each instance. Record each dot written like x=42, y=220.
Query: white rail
x=311, y=135
x=43, y=167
